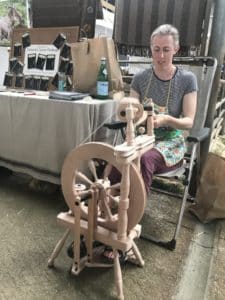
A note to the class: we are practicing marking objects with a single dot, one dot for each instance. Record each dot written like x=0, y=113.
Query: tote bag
x=210, y=197
x=86, y=57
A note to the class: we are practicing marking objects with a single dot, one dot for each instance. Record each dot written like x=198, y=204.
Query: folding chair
x=204, y=68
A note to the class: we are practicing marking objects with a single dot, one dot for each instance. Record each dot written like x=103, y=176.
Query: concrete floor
x=29, y=233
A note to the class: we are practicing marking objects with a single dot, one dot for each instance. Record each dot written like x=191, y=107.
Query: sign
x=41, y=60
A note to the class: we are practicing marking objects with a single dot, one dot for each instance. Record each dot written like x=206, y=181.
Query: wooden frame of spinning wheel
x=96, y=221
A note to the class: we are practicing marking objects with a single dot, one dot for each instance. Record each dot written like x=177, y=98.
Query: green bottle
x=102, y=81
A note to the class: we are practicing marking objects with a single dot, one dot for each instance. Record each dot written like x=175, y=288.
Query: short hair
x=166, y=29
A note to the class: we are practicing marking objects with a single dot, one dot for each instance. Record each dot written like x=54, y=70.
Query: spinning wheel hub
x=102, y=184
x=80, y=187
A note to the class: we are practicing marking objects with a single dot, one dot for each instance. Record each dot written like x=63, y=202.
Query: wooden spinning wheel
x=91, y=199
x=72, y=178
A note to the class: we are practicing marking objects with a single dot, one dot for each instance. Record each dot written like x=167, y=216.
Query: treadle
x=96, y=263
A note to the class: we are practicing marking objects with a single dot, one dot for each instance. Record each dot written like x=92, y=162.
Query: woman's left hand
x=159, y=120
x=187, y=119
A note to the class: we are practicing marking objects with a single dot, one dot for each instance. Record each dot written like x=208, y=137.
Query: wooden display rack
x=41, y=36
x=46, y=35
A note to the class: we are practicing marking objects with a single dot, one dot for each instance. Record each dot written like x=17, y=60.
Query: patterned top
x=167, y=96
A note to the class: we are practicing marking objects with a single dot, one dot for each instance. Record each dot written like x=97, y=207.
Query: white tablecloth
x=37, y=133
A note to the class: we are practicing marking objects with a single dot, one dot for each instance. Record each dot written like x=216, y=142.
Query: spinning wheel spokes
x=92, y=168
x=114, y=198
x=104, y=203
x=114, y=203
x=107, y=171
x=83, y=178
x=115, y=186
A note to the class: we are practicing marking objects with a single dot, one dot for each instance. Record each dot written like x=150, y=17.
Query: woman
x=173, y=91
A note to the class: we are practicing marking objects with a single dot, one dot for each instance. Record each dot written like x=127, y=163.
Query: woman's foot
x=83, y=248
x=108, y=256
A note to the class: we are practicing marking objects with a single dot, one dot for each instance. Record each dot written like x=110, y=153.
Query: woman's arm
x=185, y=122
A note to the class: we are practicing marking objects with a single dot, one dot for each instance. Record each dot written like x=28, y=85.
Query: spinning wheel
x=72, y=178
x=99, y=210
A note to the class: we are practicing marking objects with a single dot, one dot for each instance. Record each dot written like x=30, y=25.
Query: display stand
x=41, y=71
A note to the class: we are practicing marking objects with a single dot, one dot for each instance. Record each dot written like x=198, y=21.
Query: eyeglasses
x=165, y=50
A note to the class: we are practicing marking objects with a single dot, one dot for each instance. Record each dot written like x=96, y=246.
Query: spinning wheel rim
x=103, y=151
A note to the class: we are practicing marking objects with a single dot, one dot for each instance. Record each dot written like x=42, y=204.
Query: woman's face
x=163, y=49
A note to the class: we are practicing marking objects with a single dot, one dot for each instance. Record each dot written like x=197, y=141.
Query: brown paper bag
x=86, y=56
x=210, y=197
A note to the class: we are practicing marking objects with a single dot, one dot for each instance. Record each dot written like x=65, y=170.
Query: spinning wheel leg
x=58, y=248
x=138, y=258
x=118, y=275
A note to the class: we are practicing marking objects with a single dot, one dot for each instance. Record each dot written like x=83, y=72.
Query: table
x=37, y=133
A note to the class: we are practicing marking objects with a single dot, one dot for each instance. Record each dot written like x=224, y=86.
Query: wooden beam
x=108, y=5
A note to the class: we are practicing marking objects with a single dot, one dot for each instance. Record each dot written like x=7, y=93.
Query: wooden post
x=91, y=221
x=124, y=202
x=150, y=112
x=118, y=275
x=76, y=246
x=130, y=126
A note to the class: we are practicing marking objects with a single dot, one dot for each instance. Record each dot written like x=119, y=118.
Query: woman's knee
x=149, y=156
